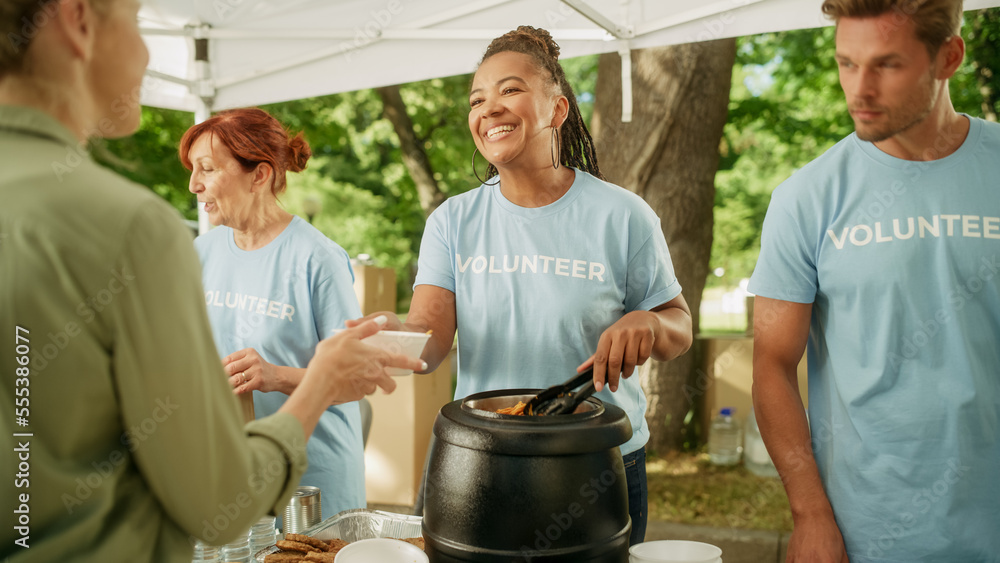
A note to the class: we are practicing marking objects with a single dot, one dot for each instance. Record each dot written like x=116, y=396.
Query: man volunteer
x=882, y=255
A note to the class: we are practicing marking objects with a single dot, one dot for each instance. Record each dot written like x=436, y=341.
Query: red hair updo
x=253, y=136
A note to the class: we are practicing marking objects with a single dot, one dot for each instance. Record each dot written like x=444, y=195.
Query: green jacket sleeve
x=183, y=423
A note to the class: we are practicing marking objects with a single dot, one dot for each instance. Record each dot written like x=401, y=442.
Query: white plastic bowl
x=398, y=342
x=380, y=550
x=674, y=551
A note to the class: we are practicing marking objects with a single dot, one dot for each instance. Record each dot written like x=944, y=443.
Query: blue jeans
x=635, y=478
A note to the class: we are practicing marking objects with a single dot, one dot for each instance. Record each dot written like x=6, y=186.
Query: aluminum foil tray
x=359, y=524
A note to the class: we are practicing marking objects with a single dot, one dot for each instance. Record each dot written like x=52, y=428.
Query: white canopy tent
x=216, y=54
x=209, y=55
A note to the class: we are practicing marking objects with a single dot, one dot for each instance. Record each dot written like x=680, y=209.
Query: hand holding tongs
x=562, y=399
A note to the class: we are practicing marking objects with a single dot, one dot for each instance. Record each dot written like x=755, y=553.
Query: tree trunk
x=414, y=157
x=669, y=154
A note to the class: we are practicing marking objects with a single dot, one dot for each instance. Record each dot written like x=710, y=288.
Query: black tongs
x=562, y=399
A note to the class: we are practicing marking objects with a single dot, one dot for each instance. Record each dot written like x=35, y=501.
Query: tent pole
x=204, y=95
x=202, y=112
x=625, y=52
x=622, y=32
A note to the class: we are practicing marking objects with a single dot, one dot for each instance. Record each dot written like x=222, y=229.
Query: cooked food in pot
x=517, y=409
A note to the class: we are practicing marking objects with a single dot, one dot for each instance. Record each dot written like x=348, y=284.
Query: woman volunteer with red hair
x=274, y=285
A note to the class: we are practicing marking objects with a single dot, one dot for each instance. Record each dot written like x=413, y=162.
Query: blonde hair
x=936, y=21
x=20, y=22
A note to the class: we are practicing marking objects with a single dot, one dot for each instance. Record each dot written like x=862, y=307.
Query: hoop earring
x=474, y=171
x=555, y=149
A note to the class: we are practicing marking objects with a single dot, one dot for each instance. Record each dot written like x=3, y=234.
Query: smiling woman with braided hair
x=576, y=147
x=545, y=265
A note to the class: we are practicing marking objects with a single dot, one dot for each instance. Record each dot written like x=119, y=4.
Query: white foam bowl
x=397, y=342
x=380, y=550
x=674, y=551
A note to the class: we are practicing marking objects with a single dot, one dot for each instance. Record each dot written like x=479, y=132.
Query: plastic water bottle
x=755, y=456
x=725, y=439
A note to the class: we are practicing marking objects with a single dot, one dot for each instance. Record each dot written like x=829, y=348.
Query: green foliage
x=582, y=75
x=351, y=216
x=149, y=157
x=370, y=201
x=358, y=151
x=976, y=86
x=439, y=109
x=787, y=108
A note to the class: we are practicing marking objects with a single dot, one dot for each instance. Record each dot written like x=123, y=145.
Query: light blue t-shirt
x=281, y=300
x=536, y=287
x=900, y=260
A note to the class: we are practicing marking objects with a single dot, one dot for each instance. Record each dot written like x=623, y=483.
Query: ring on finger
x=243, y=378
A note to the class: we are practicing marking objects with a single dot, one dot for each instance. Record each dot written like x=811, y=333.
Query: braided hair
x=577, y=146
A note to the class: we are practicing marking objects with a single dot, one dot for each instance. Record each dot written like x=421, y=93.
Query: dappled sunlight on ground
x=678, y=464
x=687, y=489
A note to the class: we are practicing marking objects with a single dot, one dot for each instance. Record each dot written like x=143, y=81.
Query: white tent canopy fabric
x=217, y=54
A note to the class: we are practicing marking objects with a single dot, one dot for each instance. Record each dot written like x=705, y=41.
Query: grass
x=687, y=489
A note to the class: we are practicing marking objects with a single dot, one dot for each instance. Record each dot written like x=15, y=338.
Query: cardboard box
x=402, y=421
x=375, y=288
x=728, y=376
x=400, y=434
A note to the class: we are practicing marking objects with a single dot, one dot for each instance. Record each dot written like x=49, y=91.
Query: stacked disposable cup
x=262, y=534
x=238, y=551
x=204, y=553
x=303, y=511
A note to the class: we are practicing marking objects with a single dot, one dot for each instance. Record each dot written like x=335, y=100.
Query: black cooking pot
x=503, y=488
